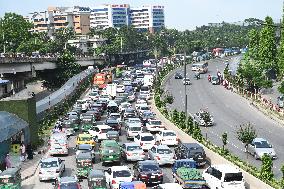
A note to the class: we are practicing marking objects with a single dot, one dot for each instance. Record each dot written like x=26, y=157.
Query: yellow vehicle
x=85, y=139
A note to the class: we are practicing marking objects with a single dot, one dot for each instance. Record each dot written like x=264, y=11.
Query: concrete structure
x=86, y=43
x=147, y=18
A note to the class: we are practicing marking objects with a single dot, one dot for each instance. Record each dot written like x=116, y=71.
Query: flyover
x=229, y=110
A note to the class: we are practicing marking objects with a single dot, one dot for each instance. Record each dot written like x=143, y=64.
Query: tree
x=224, y=139
x=254, y=44
x=266, y=172
x=197, y=133
x=190, y=125
x=281, y=49
x=267, y=45
x=16, y=31
x=246, y=133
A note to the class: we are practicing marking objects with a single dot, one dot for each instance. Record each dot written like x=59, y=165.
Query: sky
x=179, y=14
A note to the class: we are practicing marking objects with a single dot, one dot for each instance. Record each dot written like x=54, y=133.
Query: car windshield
x=134, y=121
x=135, y=128
x=164, y=151
x=147, y=138
x=262, y=144
x=230, y=177
x=169, y=134
x=85, y=138
x=87, y=148
x=72, y=185
x=122, y=173
x=130, y=111
x=215, y=78
x=49, y=164
x=150, y=167
x=156, y=123
x=132, y=148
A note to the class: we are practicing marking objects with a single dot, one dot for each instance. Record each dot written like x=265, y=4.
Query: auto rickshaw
x=84, y=164
x=11, y=178
x=96, y=179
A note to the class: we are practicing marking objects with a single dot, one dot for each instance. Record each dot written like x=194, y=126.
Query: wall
x=25, y=109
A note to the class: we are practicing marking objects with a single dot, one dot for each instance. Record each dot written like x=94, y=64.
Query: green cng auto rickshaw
x=87, y=123
x=84, y=164
x=96, y=179
x=10, y=179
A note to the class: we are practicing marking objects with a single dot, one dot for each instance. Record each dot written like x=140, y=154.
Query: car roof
x=84, y=135
x=119, y=168
x=67, y=179
x=146, y=134
x=103, y=126
x=226, y=168
x=50, y=159
x=112, y=121
x=84, y=146
x=190, y=145
x=109, y=142
x=132, y=144
x=134, y=118
x=170, y=186
x=168, y=131
x=96, y=173
x=162, y=147
x=85, y=155
x=147, y=162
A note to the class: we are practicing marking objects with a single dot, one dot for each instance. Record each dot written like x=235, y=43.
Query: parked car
x=191, y=150
x=149, y=172
x=67, y=182
x=162, y=154
x=259, y=147
x=167, y=137
x=146, y=140
x=116, y=175
x=51, y=168
x=224, y=176
x=133, y=152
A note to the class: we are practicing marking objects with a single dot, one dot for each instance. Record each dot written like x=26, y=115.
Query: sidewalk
x=253, y=182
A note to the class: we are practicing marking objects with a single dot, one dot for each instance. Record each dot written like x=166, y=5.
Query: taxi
x=85, y=139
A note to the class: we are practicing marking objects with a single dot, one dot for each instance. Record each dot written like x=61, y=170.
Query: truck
x=185, y=173
x=111, y=90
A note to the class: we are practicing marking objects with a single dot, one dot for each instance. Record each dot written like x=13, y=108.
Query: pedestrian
x=23, y=152
x=8, y=162
x=60, y=127
x=29, y=152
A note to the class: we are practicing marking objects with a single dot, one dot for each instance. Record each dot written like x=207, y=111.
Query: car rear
x=58, y=149
x=120, y=176
x=49, y=170
x=151, y=173
x=169, y=138
x=133, y=130
x=165, y=156
x=155, y=126
x=147, y=142
x=135, y=153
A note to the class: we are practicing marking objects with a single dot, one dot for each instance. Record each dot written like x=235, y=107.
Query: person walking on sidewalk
x=8, y=162
x=23, y=152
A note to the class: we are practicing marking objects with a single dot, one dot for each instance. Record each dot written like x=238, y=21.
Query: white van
x=224, y=176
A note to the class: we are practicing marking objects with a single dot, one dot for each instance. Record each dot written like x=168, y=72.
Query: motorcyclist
x=209, y=77
x=197, y=74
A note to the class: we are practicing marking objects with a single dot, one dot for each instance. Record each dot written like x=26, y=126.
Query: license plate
x=110, y=156
x=153, y=177
x=135, y=154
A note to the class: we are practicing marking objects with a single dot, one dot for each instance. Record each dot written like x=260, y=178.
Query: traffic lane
x=202, y=94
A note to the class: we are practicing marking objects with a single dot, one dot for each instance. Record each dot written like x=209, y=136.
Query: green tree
x=267, y=45
x=266, y=172
x=254, y=44
x=197, y=133
x=281, y=49
x=246, y=133
x=190, y=125
x=175, y=116
x=16, y=31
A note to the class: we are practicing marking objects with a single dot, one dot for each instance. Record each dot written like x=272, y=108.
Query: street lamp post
x=185, y=93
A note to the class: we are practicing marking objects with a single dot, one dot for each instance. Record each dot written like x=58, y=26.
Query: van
x=224, y=176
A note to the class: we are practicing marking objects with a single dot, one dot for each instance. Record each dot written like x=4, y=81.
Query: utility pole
x=185, y=94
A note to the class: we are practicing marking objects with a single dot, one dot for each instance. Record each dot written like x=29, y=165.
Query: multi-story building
x=149, y=18
x=41, y=21
x=80, y=19
x=107, y=15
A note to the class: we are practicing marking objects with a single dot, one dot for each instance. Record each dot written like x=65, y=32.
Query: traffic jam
x=121, y=143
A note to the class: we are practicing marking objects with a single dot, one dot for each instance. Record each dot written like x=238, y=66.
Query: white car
x=133, y=128
x=99, y=132
x=133, y=152
x=94, y=96
x=145, y=94
x=58, y=149
x=162, y=154
x=146, y=140
x=142, y=108
x=120, y=88
x=169, y=186
x=84, y=104
x=154, y=125
x=51, y=168
x=167, y=137
x=124, y=106
x=228, y=177
x=116, y=175
x=104, y=98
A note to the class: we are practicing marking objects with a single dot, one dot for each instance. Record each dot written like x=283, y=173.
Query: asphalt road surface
x=229, y=111
x=34, y=183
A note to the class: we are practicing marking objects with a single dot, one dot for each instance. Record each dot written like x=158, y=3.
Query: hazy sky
x=180, y=14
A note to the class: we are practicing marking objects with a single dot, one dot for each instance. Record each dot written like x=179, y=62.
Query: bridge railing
x=40, y=59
